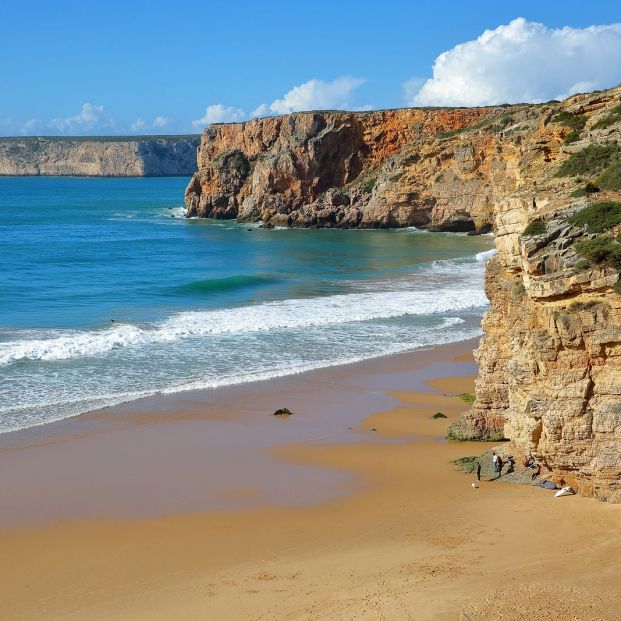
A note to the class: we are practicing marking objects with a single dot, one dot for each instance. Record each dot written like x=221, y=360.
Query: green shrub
x=451, y=133
x=583, y=264
x=518, y=290
x=466, y=464
x=234, y=160
x=536, y=227
x=613, y=117
x=590, y=161
x=575, y=121
x=587, y=190
x=610, y=179
x=369, y=185
x=572, y=137
x=602, y=250
x=590, y=305
x=468, y=397
x=598, y=217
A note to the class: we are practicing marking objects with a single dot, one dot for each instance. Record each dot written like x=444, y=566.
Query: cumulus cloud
x=91, y=118
x=522, y=61
x=159, y=123
x=314, y=95
x=219, y=113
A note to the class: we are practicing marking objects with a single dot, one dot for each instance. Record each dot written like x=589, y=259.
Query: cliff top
x=144, y=138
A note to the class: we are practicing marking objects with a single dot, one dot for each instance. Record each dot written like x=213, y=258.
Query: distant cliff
x=105, y=156
x=546, y=178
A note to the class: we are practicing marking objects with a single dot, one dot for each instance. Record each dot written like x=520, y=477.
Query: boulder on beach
x=283, y=412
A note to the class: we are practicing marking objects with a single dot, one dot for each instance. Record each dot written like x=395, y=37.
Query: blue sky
x=134, y=67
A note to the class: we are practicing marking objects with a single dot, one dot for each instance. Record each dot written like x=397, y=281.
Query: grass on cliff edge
x=610, y=179
x=603, y=250
x=613, y=117
x=587, y=190
x=468, y=397
x=574, y=121
x=598, y=217
x=590, y=161
x=536, y=227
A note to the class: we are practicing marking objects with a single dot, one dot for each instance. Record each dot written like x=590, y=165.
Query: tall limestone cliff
x=106, y=156
x=550, y=358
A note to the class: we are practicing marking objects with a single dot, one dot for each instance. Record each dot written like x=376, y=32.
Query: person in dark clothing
x=500, y=465
x=478, y=470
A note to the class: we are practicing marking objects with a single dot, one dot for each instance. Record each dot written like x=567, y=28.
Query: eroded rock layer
x=104, y=156
x=550, y=359
x=347, y=169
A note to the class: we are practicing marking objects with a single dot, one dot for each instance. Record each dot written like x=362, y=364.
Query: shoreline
x=149, y=401
x=163, y=438
x=406, y=536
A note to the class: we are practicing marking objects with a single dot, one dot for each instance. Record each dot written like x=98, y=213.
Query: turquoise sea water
x=200, y=303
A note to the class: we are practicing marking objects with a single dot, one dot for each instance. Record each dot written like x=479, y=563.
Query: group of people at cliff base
x=498, y=464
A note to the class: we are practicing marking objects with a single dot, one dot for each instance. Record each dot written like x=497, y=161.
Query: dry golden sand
x=418, y=542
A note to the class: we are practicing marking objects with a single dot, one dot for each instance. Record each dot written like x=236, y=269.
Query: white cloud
x=314, y=95
x=161, y=122
x=90, y=119
x=411, y=88
x=218, y=113
x=141, y=126
x=523, y=61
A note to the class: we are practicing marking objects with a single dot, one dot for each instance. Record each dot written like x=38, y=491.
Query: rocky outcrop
x=343, y=169
x=550, y=359
x=148, y=156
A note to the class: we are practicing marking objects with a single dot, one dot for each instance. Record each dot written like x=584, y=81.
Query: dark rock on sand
x=283, y=412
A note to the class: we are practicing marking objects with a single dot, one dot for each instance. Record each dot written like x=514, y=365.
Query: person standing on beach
x=478, y=470
x=500, y=464
x=495, y=462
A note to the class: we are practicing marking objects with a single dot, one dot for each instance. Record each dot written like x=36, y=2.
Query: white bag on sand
x=564, y=491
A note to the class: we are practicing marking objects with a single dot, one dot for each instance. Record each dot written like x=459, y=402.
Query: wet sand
x=397, y=534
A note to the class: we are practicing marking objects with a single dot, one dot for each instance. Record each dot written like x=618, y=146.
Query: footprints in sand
x=444, y=567
x=267, y=576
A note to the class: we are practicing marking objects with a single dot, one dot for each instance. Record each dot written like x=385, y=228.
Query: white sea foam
x=178, y=212
x=52, y=406
x=287, y=314
x=485, y=256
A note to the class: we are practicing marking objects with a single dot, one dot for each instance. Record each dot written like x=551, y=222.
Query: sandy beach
x=205, y=506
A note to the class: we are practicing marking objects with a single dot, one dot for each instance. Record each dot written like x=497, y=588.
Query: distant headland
x=99, y=156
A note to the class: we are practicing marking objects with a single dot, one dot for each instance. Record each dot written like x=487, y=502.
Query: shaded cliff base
x=413, y=541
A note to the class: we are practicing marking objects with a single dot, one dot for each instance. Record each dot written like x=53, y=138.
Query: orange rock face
x=343, y=169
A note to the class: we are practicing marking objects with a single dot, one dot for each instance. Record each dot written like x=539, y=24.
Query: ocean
x=108, y=294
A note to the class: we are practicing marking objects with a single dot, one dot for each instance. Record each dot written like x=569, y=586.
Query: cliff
x=345, y=169
x=550, y=358
x=139, y=156
x=546, y=178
